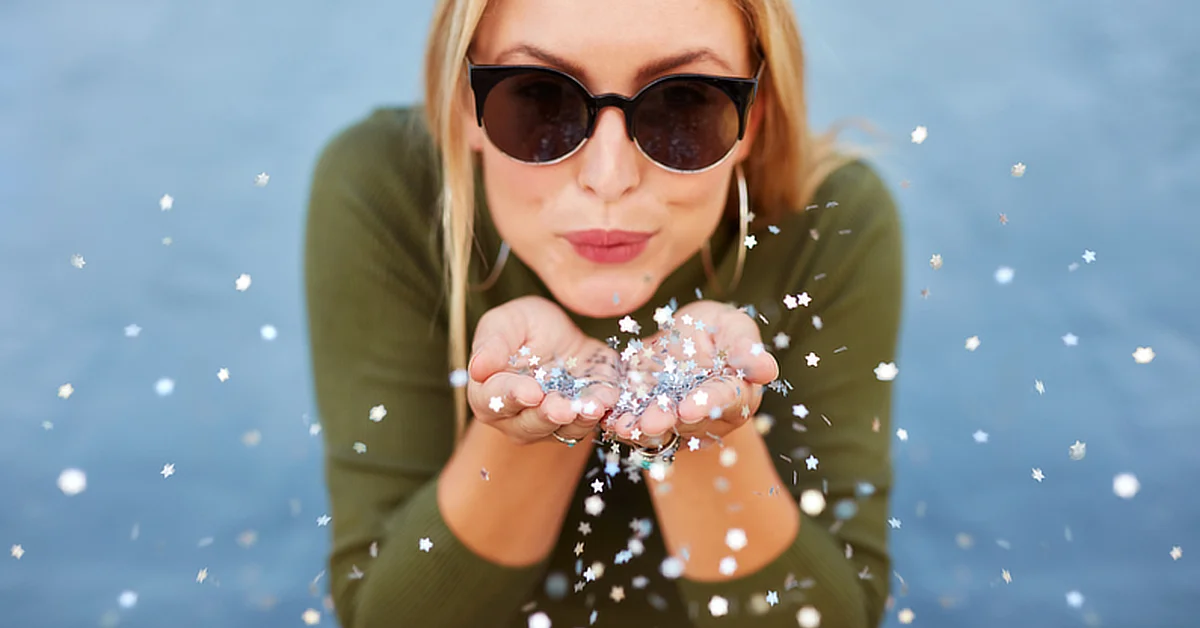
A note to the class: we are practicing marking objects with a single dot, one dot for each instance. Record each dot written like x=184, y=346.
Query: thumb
x=489, y=356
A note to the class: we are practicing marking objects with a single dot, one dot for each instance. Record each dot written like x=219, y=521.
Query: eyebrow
x=644, y=74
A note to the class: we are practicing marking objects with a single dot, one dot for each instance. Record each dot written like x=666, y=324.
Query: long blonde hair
x=786, y=164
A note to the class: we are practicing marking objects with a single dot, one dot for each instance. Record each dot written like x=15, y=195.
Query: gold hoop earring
x=490, y=280
x=743, y=230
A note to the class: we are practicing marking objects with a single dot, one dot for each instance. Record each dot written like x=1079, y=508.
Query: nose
x=609, y=160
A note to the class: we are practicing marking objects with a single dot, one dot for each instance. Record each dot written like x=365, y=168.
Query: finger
x=489, y=356
x=558, y=409
x=504, y=395
x=656, y=421
x=710, y=400
x=579, y=430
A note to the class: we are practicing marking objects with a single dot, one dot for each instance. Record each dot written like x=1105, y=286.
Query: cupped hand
x=517, y=348
x=720, y=335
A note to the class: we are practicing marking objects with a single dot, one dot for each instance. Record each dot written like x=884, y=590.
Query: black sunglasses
x=682, y=122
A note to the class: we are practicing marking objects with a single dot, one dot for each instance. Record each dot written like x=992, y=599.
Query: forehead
x=609, y=41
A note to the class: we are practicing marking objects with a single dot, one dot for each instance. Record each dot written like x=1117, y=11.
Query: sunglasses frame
x=742, y=91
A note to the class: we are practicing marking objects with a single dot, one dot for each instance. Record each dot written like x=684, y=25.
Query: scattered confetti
x=1077, y=451
x=425, y=544
x=132, y=331
x=223, y=374
x=1006, y=576
x=17, y=552
x=906, y=616
x=1074, y=599
x=268, y=332
x=202, y=575
x=166, y=202
x=718, y=606
x=311, y=617
x=77, y=261
x=886, y=371
x=1126, y=485
x=1088, y=256
x=65, y=391
x=972, y=343
x=72, y=481
x=1038, y=475
x=1018, y=169
x=980, y=436
x=127, y=599
x=242, y=283
x=735, y=539
x=377, y=413
x=1070, y=340
x=167, y=471
x=539, y=620
x=1143, y=355
x=902, y=434
x=261, y=179
x=935, y=262
x=808, y=617
x=919, y=134
x=1176, y=552
x=812, y=502
x=164, y=387
x=1004, y=275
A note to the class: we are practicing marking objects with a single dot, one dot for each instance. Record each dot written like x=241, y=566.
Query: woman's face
x=550, y=214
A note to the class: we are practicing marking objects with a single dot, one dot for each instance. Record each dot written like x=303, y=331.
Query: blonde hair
x=786, y=164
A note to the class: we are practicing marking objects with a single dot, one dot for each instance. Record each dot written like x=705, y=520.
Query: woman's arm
x=409, y=549
x=853, y=273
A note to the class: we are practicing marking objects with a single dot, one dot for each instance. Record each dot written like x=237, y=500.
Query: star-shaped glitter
x=886, y=371
x=701, y=398
x=1176, y=552
x=579, y=548
x=1018, y=169
x=1089, y=256
x=242, y=283
x=972, y=343
x=65, y=391
x=223, y=374
x=132, y=331
x=1078, y=451
x=261, y=179
x=324, y=520
x=77, y=261
x=1143, y=355
x=935, y=262
x=902, y=434
x=17, y=552
x=781, y=341
x=980, y=436
x=1039, y=386
x=168, y=470
x=1003, y=219
x=718, y=606
x=800, y=410
x=202, y=575
x=597, y=485
x=812, y=359
x=424, y=544
x=1070, y=340
x=751, y=241
x=166, y=202
x=811, y=462
x=919, y=134
x=1007, y=576
x=617, y=594
x=629, y=326
x=894, y=522
x=311, y=617
x=772, y=598
x=693, y=443
x=1038, y=475
x=376, y=413
x=496, y=404
x=585, y=528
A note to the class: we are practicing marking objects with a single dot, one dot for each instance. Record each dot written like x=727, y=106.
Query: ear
x=753, y=124
x=472, y=131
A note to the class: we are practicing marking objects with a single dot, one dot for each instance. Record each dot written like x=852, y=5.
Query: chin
x=592, y=297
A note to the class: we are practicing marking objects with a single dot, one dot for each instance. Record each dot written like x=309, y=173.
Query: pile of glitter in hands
x=661, y=371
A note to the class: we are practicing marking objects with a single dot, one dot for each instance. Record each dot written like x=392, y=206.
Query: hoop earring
x=743, y=231
x=490, y=280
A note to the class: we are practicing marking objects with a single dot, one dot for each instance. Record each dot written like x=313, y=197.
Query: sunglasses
x=685, y=123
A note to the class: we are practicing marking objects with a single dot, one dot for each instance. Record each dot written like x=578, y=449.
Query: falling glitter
x=1004, y=275
x=127, y=599
x=164, y=386
x=1126, y=485
x=1018, y=169
x=242, y=283
x=72, y=481
x=268, y=332
x=919, y=134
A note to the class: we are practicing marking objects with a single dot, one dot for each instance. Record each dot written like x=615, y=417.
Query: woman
x=690, y=183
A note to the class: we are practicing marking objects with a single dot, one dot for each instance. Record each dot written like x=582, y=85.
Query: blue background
x=105, y=107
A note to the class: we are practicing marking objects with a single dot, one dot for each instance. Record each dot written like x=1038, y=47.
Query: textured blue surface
x=105, y=107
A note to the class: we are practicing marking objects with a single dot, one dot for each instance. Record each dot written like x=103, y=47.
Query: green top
x=379, y=338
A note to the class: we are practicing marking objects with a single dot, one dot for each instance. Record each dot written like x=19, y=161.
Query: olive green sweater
x=378, y=332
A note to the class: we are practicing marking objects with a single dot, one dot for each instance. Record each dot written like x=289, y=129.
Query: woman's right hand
x=534, y=332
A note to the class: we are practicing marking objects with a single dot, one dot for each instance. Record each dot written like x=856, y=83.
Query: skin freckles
x=608, y=184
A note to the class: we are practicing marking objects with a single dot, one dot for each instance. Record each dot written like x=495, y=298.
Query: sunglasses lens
x=536, y=117
x=686, y=124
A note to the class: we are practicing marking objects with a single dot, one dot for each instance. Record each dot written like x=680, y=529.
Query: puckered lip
x=607, y=237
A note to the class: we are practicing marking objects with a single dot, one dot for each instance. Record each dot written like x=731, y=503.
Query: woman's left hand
x=718, y=332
